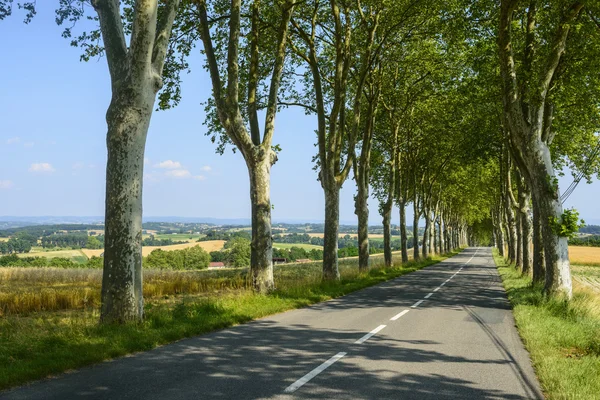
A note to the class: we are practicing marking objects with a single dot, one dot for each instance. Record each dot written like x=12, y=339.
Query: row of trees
x=548, y=120
x=72, y=240
x=426, y=103
x=15, y=245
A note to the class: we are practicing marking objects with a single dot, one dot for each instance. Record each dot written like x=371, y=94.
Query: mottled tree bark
x=526, y=226
x=403, y=235
x=416, y=215
x=128, y=119
x=386, y=212
x=330, y=248
x=539, y=269
x=425, y=247
x=362, y=212
x=261, y=254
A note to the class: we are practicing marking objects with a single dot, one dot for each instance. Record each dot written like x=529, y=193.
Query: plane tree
x=133, y=36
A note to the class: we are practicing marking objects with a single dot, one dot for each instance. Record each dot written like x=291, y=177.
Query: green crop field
x=179, y=237
x=74, y=255
x=304, y=246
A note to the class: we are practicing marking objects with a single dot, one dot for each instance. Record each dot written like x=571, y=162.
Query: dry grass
x=209, y=245
x=26, y=290
x=584, y=255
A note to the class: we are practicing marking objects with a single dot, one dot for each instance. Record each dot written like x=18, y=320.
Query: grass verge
x=563, y=337
x=41, y=344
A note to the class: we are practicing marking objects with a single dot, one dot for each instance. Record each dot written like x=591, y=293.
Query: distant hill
x=591, y=229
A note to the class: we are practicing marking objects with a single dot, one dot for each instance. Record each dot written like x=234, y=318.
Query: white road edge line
x=368, y=335
x=395, y=317
x=429, y=295
x=300, y=382
x=437, y=288
x=417, y=304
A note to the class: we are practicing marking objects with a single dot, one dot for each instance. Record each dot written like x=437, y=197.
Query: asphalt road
x=442, y=332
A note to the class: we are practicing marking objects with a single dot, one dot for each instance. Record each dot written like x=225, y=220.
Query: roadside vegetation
x=563, y=337
x=37, y=340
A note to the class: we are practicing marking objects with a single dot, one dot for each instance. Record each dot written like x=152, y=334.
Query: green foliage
x=93, y=243
x=569, y=223
x=238, y=252
x=192, y=258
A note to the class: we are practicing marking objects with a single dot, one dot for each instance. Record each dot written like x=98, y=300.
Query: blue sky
x=53, y=152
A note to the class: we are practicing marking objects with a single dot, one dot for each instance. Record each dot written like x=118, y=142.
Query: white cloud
x=78, y=165
x=146, y=160
x=13, y=140
x=169, y=164
x=199, y=177
x=179, y=173
x=41, y=167
x=6, y=184
x=28, y=144
x=206, y=168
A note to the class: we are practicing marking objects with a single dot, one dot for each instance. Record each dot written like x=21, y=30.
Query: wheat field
x=584, y=254
x=209, y=245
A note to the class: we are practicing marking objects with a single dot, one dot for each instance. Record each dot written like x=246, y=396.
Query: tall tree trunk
x=519, y=241
x=425, y=247
x=261, y=253
x=431, y=234
x=539, y=269
x=527, y=232
x=386, y=212
x=362, y=211
x=441, y=234
x=330, y=245
x=556, y=248
x=416, y=214
x=128, y=120
x=511, y=231
x=403, y=236
x=499, y=234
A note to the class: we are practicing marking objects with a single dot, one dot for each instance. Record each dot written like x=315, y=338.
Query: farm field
x=584, y=255
x=587, y=276
x=74, y=255
x=304, y=246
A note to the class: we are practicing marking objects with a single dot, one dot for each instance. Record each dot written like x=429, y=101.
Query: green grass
x=562, y=337
x=36, y=345
x=304, y=246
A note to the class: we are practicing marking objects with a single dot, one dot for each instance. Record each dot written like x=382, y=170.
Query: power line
x=583, y=171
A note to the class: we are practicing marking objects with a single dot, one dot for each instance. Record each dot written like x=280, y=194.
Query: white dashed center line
x=368, y=335
x=417, y=304
x=395, y=317
x=300, y=382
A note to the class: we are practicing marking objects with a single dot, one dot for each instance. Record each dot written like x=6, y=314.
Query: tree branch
x=143, y=33
x=287, y=10
x=163, y=34
x=113, y=37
